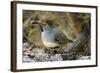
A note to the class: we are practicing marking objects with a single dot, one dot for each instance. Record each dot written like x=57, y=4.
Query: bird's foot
x=56, y=51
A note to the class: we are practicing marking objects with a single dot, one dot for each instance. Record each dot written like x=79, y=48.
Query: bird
x=51, y=37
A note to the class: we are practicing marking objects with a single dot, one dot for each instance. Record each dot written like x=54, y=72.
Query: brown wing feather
x=60, y=38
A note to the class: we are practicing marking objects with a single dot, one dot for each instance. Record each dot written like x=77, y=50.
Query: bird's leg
x=52, y=51
x=58, y=50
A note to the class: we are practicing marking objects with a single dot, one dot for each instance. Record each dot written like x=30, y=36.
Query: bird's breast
x=48, y=39
x=50, y=44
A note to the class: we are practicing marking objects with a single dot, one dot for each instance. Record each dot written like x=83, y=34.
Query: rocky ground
x=35, y=54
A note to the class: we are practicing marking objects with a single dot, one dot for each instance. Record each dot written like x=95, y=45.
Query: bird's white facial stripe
x=49, y=44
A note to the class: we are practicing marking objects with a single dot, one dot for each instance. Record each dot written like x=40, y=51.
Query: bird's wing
x=60, y=37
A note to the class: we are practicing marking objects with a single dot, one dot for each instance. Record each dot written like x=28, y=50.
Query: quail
x=51, y=37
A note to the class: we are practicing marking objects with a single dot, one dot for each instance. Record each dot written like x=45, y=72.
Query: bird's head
x=40, y=25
